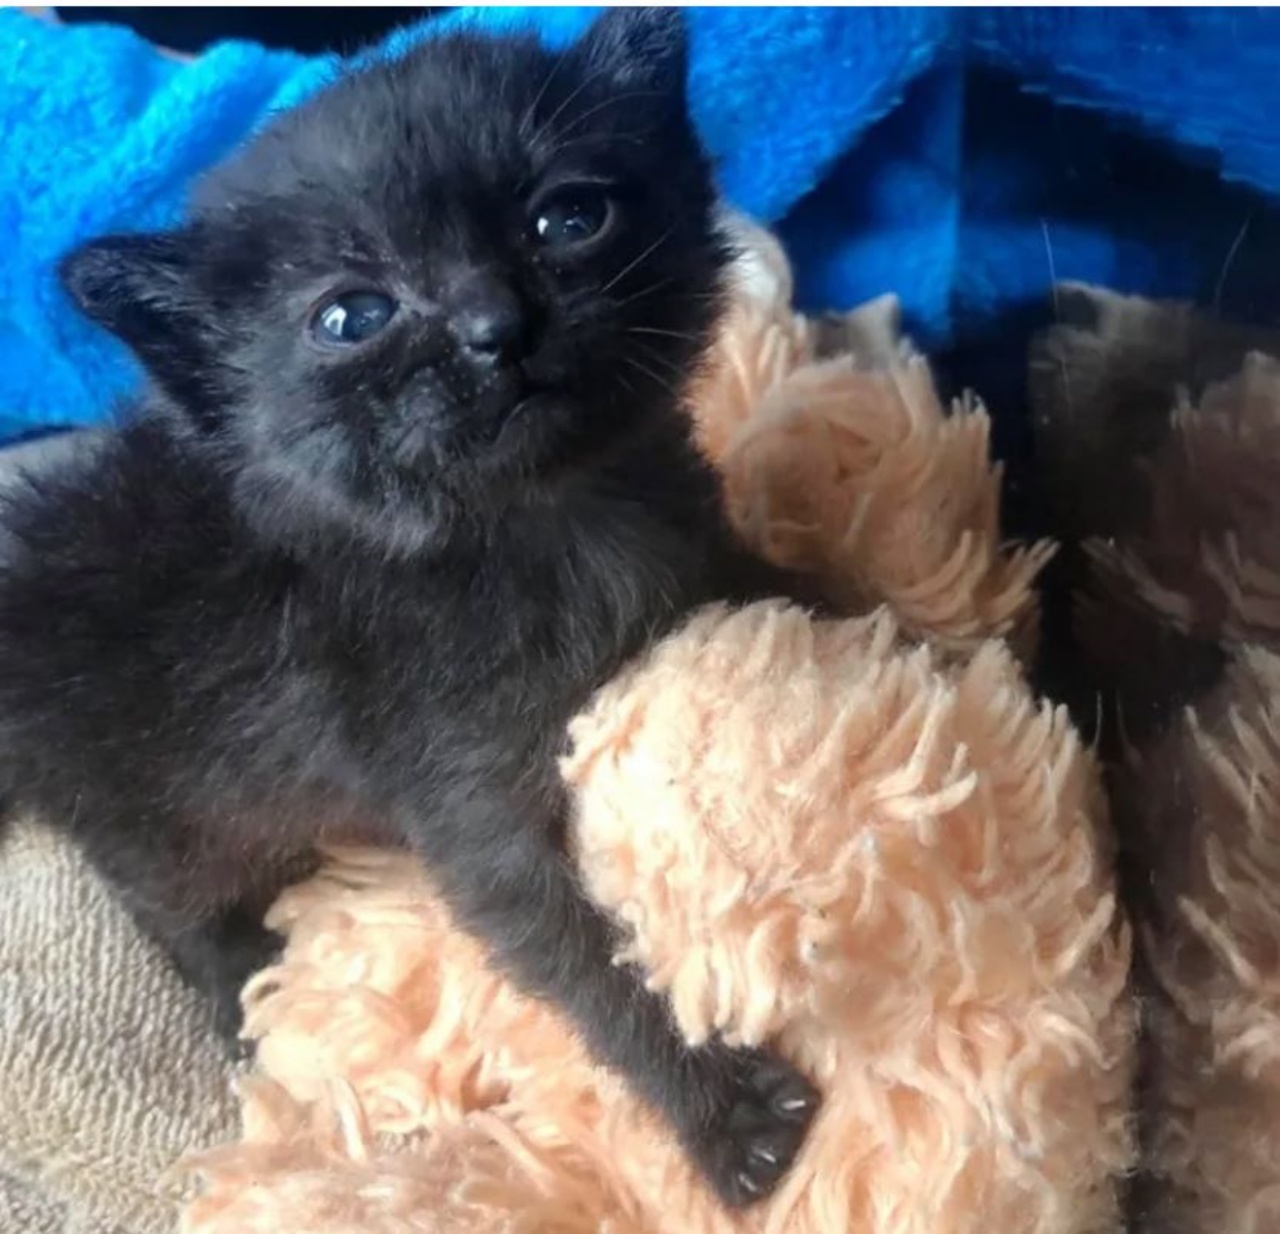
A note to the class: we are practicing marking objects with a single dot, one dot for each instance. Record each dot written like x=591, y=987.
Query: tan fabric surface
x=107, y=1068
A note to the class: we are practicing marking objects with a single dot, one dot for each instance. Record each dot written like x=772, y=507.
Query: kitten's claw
x=759, y=1113
x=243, y=1051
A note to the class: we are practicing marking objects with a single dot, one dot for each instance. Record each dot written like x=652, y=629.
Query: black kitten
x=412, y=479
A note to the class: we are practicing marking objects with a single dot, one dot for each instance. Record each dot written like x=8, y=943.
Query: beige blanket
x=107, y=1068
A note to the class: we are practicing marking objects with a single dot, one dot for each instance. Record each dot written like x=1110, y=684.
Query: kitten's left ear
x=133, y=285
x=142, y=289
x=641, y=49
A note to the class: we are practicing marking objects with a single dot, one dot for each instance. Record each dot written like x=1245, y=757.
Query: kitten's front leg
x=213, y=934
x=217, y=956
x=740, y=1114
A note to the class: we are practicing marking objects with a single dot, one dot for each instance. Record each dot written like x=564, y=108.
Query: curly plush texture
x=884, y=856
x=840, y=460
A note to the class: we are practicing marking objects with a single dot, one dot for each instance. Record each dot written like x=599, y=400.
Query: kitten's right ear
x=141, y=289
x=640, y=48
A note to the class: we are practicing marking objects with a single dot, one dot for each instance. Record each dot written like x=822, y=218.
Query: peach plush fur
x=864, y=840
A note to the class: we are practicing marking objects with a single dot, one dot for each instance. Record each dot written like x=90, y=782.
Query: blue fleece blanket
x=960, y=158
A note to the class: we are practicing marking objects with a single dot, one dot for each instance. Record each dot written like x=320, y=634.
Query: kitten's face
x=455, y=273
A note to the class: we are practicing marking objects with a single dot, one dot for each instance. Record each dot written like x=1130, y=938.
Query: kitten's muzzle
x=488, y=321
x=456, y=408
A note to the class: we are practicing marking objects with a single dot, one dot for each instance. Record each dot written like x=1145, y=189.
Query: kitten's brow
x=542, y=89
x=588, y=80
x=603, y=105
x=613, y=139
x=631, y=265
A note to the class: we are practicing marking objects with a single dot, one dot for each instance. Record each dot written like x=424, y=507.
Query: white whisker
x=1057, y=313
x=542, y=90
x=677, y=334
x=661, y=359
x=631, y=265
x=1226, y=265
x=545, y=126
x=644, y=291
x=1053, y=271
x=657, y=378
x=603, y=106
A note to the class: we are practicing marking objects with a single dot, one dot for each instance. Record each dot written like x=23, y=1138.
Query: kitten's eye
x=352, y=318
x=573, y=216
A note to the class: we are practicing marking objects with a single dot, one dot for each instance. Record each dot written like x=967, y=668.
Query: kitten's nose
x=487, y=319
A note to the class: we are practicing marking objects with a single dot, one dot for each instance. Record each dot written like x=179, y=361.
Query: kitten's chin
x=433, y=441
x=549, y=436
x=302, y=514
x=533, y=427
x=541, y=435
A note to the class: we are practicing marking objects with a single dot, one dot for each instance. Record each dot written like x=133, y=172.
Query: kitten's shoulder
x=128, y=513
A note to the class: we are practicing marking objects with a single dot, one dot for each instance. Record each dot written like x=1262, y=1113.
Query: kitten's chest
x=533, y=624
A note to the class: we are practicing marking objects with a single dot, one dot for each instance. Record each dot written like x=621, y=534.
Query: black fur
x=308, y=592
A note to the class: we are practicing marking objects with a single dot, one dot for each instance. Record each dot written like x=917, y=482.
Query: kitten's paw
x=753, y=1125
x=228, y=1021
x=233, y=967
